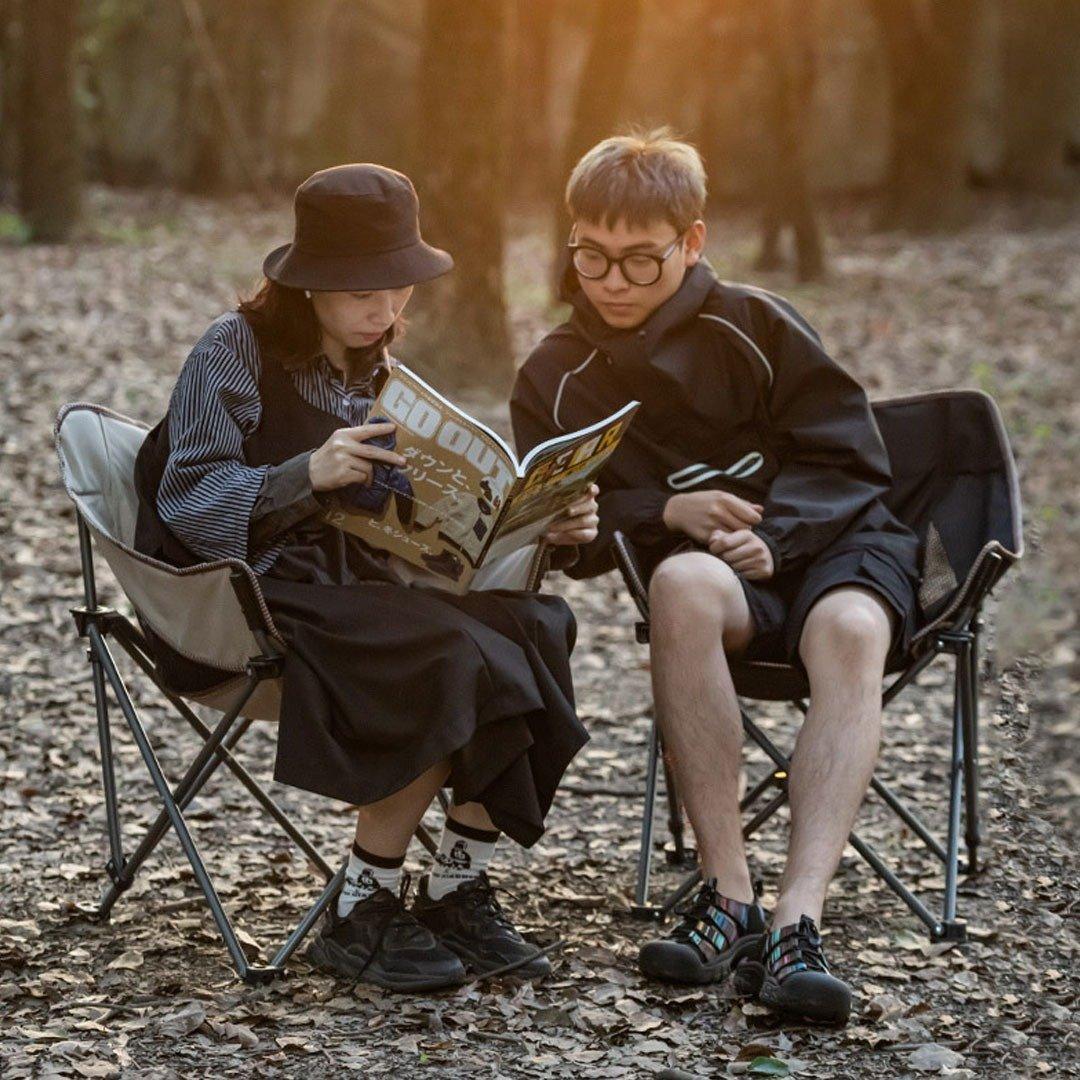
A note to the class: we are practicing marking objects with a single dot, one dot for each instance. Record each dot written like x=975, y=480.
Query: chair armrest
x=627, y=562
x=988, y=569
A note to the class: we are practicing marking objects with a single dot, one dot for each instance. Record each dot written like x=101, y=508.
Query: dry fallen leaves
x=151, y=993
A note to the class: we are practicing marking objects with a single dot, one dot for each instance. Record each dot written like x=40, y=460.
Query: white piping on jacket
x=749, y=341
x=562, y=382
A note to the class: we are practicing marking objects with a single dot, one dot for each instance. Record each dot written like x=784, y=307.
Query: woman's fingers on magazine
x=369, y=431
x=377, y=453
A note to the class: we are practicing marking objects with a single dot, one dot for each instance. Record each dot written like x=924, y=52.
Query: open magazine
x=464, y=509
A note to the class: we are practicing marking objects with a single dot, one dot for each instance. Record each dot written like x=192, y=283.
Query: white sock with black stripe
x=365, y=875
x=464, y=853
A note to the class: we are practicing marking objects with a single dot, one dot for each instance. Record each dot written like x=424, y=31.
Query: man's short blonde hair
x=638, y=178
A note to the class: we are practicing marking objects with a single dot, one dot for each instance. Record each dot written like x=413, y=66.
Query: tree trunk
x=10, y=47
x=785, y=181
x=928, y=48
x=530, y=116
x=1040, y=58
x=48, y=143
x=462, y=135
x=601, y=88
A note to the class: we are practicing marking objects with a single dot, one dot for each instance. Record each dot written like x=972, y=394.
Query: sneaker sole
x=734, y=959
x=332, y=957
x=772, y=994
x=535, y=968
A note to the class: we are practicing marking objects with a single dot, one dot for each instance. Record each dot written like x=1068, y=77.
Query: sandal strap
x=794, y=948
x=712, y=923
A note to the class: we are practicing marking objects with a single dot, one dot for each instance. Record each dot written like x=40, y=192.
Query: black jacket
x=737, y=394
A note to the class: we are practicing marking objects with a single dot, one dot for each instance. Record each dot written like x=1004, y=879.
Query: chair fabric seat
x=766, y=681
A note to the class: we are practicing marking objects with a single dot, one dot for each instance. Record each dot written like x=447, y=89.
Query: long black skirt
x=382, y=681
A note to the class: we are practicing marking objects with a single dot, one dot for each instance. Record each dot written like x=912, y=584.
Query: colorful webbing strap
x=794, y=948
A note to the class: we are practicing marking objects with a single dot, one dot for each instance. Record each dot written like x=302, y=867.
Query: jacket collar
x=640, y=344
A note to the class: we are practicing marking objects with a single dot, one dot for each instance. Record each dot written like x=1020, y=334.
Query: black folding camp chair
x=210, y=616
x=955, y=485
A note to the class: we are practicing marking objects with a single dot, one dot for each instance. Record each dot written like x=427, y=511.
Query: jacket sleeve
x=636, y=512
x=833, y=463
x=285, y=499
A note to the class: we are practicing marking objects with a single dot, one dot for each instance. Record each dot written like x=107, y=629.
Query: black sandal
x=793, y=976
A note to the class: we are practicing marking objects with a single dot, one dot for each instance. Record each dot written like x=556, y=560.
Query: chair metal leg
x=640, y=907
x=971, y=751
x=956, y=775
x=123, y=632
x=947, y=929
x=304, y=927
x=115, y=864
x=172, y=809
x=198, y=773
x=679, y=855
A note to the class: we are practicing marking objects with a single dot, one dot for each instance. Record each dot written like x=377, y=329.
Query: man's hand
x=699, y=514
x=579, y=522
x=743, y=551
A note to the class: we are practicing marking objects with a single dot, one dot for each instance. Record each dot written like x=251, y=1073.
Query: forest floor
x=109, y=319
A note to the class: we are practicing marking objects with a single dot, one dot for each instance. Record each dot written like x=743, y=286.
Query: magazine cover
x=464, y=500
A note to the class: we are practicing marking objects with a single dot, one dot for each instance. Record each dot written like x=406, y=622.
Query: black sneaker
x=471, y=922
x=791, y=975
x=380, y=942
x=716, y=934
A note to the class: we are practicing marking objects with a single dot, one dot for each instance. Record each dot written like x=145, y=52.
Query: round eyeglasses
x=638, y=267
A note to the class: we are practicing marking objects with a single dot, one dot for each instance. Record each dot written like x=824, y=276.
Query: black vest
x=288, y=426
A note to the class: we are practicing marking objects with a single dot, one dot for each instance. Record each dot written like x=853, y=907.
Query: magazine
x=464, y=509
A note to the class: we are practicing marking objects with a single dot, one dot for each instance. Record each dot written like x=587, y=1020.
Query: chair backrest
x=97, y=451
x=194, y=610
x=954, y=484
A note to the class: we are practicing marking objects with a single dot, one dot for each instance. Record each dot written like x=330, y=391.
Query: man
x=749, y=483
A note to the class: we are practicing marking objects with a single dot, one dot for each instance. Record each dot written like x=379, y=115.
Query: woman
x=389, y=692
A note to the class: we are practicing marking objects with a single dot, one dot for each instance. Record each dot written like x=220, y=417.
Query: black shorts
x=779, y=607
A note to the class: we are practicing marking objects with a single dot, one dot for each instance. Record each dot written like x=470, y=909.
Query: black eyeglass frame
x=659, y=260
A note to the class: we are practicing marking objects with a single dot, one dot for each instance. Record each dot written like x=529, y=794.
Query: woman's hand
x=743, y=551
x=346, y=458
x=578, y=523
x=699, y=514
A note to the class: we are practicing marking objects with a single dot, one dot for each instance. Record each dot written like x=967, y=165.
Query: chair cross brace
x=96, y=624
x=963, y=645
x=960, y=640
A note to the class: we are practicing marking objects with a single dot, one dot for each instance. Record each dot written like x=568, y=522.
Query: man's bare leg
x=844, y=644
x=698, y=611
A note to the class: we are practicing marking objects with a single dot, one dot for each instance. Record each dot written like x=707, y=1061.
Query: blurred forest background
x=907, y=172
x=915, y=104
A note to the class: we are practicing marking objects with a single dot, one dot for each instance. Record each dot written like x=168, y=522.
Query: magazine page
x=555, y=474
x=438, y=513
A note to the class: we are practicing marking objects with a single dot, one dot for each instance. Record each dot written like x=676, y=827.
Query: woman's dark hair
x=285, y=324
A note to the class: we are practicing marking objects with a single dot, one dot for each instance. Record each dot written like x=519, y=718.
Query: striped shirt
x=208, y=491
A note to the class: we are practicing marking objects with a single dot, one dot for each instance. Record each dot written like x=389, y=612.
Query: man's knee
x=847, y=625
x=693, y=586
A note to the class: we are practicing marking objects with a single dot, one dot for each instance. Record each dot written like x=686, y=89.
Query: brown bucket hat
x=357, y=229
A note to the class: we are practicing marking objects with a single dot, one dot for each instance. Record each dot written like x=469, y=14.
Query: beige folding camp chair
x=212, y=614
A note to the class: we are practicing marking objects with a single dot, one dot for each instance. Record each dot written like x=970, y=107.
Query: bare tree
x=462, y=134
x=928, y=46
x=48, y=131
x=1041, y=61
x=530, y=90
x=787, y=28
x=601, y=88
